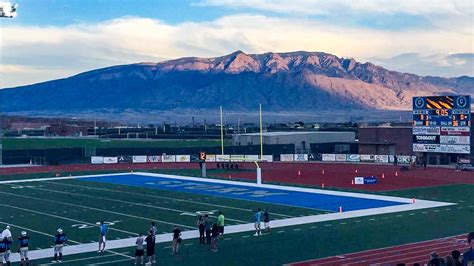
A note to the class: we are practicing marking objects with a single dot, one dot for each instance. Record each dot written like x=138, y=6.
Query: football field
x=130, y=202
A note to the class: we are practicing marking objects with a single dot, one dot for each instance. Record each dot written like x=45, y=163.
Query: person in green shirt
x=220, y=224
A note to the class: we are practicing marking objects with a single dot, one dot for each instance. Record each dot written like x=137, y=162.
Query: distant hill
x=295, y=82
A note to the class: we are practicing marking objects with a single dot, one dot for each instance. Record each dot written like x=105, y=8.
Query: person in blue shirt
x=468, y=255
x=7, y=244
x=258, y=220
x=59, y=241
x=103, y=229
x=23, y=242
x=3, y=249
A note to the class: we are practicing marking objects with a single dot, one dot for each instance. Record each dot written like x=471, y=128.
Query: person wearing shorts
x=103, y=229
x=23, y=242
x=176, y=239
x=3, y=249
x=150, y=247
x=258, y=220
x=8, y=244
x=59, y=241
x=266, y=221
x=220, y=224
x=139, y=251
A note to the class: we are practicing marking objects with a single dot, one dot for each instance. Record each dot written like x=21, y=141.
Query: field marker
x=107, y=262
x=279, y=232
x=297, y=229
x=89, y=258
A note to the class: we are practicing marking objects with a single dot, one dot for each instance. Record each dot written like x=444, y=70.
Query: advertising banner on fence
x=110, y=160
x=366, y=180
x=300, y=157
x=154, y=159
x=402, y=159
x=268, y=158
x=428, y=139
x=367, y=157
x=237, y=157
x=341, y=157
x=286, y=157
x=97, y=160
x=381, y=158
x=125, y=159
x=252, y=157
x=353, y=157
x=210, y=158
x=168, y=158
x=329, y=157
x=465, y=149
x=427, y=147
x=222, y=158
x=139, y=159
x=455, y=131
x=183, y=158
x=314, y=157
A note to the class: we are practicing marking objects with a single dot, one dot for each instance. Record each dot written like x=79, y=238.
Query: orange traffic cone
x=356, y=171
x=340, y=208
x=322, y=185
x=383, y=175
x=396, y=173
x=352, y=182
x=322, y=172
x=299, y=172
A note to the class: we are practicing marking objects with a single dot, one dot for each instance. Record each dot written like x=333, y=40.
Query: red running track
x=311, y=174
x=409, y=254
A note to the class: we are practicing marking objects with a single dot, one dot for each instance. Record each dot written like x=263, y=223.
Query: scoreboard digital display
x=442, y=124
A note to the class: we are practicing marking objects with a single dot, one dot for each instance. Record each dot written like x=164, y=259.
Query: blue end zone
x=264, y=195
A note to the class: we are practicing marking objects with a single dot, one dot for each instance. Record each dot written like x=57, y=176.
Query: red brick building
x=385, y=140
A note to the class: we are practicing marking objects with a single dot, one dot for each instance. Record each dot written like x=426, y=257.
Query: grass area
x=45, y=143
x=45, y=206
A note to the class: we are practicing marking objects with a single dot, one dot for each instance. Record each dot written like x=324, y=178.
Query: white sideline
x=130, y=242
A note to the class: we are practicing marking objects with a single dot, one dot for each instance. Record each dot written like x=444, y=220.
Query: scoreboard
x=442, y=124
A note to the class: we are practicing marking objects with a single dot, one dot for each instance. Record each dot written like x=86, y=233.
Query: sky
x=51, y=39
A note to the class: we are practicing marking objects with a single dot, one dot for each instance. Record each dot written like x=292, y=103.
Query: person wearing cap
x=23, y=242
x=6, y=232
x=59, y=240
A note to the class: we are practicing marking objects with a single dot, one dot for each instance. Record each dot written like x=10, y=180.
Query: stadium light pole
x=261, y=133
x=222, y=134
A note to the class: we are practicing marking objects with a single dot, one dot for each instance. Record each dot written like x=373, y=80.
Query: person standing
x=266, y=221
x=258, y=220
x=150, y=247
x=202, y=229
x=214, y=237
x=103, y=229
x=208, y=227
x=176, y=239
x=139, y=251
x=153, y=228
x=468, y=255
x=59, y=240
x=8, y=246
x=6, y=232
x=220, y=224
x=3, y=249
x=23, y=242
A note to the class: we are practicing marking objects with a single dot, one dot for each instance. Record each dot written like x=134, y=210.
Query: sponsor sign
x=340, y=157
x=353, y=157
x=183, y=158
x=426, y=130
x=110, y=160
x=268, y=158
x=237, y=158
x=465, y=161
x=381, y=158
x=195, y=158
x=222, y=158
x=454, y=140
x=329, y=157
x=139, y=159
x=286, y=157
x=455, y=131
x=367, y=157
x=465, y=149
x=97, y=160
x=358, y=180
x=301, y=157
x=168, y=158
x=210, y=158
x=427, y=147
x=154, y=159
x=125, y=159
x=252, y=157
x=402, y=159
x=428, y=139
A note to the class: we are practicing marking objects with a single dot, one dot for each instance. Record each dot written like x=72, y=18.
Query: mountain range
x=284, y=83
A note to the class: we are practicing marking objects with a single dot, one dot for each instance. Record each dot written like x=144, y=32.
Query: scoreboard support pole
x=203, y=169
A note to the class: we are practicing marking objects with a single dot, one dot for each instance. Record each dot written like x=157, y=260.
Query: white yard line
x=130, y=202
x=167, y=198
x=97, y=209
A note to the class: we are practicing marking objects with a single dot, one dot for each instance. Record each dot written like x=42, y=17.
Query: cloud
x=58, y=51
